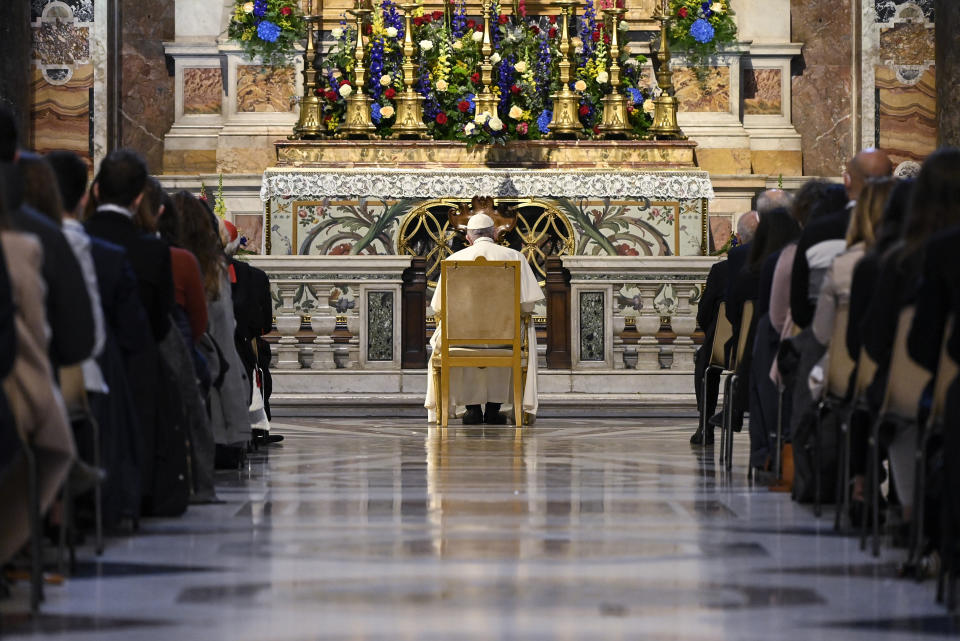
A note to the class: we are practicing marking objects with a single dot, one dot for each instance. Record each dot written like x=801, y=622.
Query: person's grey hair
x=747, y=226
x=771, y=199
x=488, y=232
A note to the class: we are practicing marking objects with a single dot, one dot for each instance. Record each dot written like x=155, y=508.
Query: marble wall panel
x=262, y=88
x=61, y=112
x=907, y=43
x=61, y=43
x=906, y=113
x=721, y=229
x=762, y=92
x=380, y=325
x=887, y=10
x=948, y=71
x=202, y=90
x=711, y=95
x=250, y=227
x=591, y=326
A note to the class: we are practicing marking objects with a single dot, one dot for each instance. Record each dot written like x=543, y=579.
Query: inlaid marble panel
x=889, y=9
x=202, y=90
x=61, y=43
x=82, y=10
x=380, y=325
x=907, y=43
x=711, y=95
x=591, y=326
x=61, y=112
x=263, y=88
x=762, y=92
x=906, y=112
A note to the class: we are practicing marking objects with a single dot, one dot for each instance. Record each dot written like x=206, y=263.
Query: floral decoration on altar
x=268, y=29
x=700, y=29
x=448, y=58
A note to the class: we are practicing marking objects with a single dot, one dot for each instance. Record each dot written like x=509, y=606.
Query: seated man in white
x=489, y=387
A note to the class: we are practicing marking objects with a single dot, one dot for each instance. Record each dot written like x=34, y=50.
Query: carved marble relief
x=202, y=91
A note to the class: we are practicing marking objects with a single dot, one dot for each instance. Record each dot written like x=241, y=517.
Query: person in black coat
x=938, y=296
x=9, y=439
x=707, y=311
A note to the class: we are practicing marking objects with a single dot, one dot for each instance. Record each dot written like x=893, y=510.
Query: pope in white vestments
x=475, y=385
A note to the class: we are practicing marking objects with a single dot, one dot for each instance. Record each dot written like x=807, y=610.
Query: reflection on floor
x=385, y=530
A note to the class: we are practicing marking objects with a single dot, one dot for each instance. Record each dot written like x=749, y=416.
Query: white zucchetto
x=480, y=221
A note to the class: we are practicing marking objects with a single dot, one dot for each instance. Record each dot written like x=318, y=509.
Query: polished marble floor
x=384, y=530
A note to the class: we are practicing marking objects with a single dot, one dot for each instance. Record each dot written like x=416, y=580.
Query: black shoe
x=473, y=415
x=263, y=437
x=227, y=457
x=493, y=416
x=698, y=438
x=716, y=420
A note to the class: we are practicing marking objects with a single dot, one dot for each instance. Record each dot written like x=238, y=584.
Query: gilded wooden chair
x=481, y=325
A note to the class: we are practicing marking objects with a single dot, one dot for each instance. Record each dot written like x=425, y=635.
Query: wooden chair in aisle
x=866, y=369
x=35, y=518
x=480, y=331
x=722, y=333
x=835, y=399
x=901, y=398
x=730, y=386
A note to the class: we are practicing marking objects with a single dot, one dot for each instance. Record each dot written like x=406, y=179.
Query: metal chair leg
x=915, y=554
x=778, y=454
x=875, y=490
x=817, y=463
x=64, y=524
x=97, y=490
x=843, y=475
x=868, y=493
x=36, y=530
x=723, y=424
x=728, y=422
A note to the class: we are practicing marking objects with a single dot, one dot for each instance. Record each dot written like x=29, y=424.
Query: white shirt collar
x=483, y=238
x=116, y=209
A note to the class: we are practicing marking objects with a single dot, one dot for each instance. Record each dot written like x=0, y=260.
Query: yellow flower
x=717, y=7
x=515, y=112
x=387, y=111
x=580, y=85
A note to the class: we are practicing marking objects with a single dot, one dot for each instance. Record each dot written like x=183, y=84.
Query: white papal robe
x=476, y=385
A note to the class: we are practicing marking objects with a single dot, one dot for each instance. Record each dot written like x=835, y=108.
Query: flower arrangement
x=701, y=28
x=448, y=55
x=268, y=29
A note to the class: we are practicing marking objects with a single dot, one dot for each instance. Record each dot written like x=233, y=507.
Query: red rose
x=514, y=89
x=389, y=93
x=535, y=29
x=418, y=21
x=475, y=78
x=331, y=95
x=584, y=110
x=479, y=27
x=504, y=19
x=285, y=11
x=606, y=39
x=596, y=36
x=596, y=129
x=437, y=15
x=463, y=106
x=344, y=81
x=552, y=19
x=553, y=32
x=318, y=92
x=683, y=12
x=442, y=118
x=471, y=24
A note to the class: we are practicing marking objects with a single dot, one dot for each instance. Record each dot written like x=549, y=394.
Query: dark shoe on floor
x=716, y=420
x=263, y=437
x=229, y=457
x=492, y=414
x=698, y=438
x=473, y=415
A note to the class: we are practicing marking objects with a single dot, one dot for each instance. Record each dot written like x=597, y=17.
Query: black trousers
x=701, y=361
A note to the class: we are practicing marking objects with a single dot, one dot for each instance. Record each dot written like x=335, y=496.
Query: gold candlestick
x=486, y=101
x=309, y=123
x=409, y=122
x=615, y=123
x=566, y=121
x=665, y=105
x=357, y=122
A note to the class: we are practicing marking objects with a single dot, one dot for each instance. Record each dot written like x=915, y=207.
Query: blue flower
x=705, y=8
x=635, y=95
x=543, y=121
x=702, y=31
x=260, y=8
x=375, y=112
x=471, y=99
x=268, y=31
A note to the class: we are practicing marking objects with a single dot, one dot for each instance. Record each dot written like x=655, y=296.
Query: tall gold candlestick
x=615, y=123
x=309, y=123
x=357, y=122
x=486, y=101
x=665, y=105
x=566, y=121
x=409, y=122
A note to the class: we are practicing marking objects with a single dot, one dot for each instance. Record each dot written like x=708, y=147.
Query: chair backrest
x=74, y=391
x=722, y=332
x=746, y=318
x=840, y=365
x=907, y=379
x=947, y=371
x=480, y=302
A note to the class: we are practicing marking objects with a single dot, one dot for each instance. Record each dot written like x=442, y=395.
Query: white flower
x=579, y=49
x=442, y=85
x=337, y=33
x=495, y=124
x=392, y=32
x=521, y=66
x=481, y=118
x=457, y=45
x=649, y=106
x=346, y=90
x=515, y=112
x=717, y=7
x=477, y=36
x=469, y=129
x=603, y=77
x=580, y=85
x=624, y=26
x=336, y=73
x=495, y=58
x=387, y=111
x=630, y=61
x=385, y=80
x=426, y=45
x=248, y=7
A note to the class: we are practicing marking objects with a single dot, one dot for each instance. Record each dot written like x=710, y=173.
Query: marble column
x=948, y=71
x=15, y=64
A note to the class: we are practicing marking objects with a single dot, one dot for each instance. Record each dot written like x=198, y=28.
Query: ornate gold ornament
x=409, y=122
x=615, y=122
x=309, y=124
x=357, y=122
x=566, y=119
x=665, y=105
x=486, y=100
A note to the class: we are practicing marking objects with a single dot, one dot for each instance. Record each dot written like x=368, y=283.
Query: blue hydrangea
x=543, y=121
x=268, y=31
x=635, y=95
x=702, y=31
x=260, y=8
x=375, y=112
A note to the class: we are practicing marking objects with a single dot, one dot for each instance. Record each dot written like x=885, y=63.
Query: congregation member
x=483, y=390
x=708, y=311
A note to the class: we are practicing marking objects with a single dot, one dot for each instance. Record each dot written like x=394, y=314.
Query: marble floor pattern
x=384, y=530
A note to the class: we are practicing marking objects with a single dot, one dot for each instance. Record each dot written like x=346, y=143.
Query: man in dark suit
x=707, y=310
x=939, y=295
